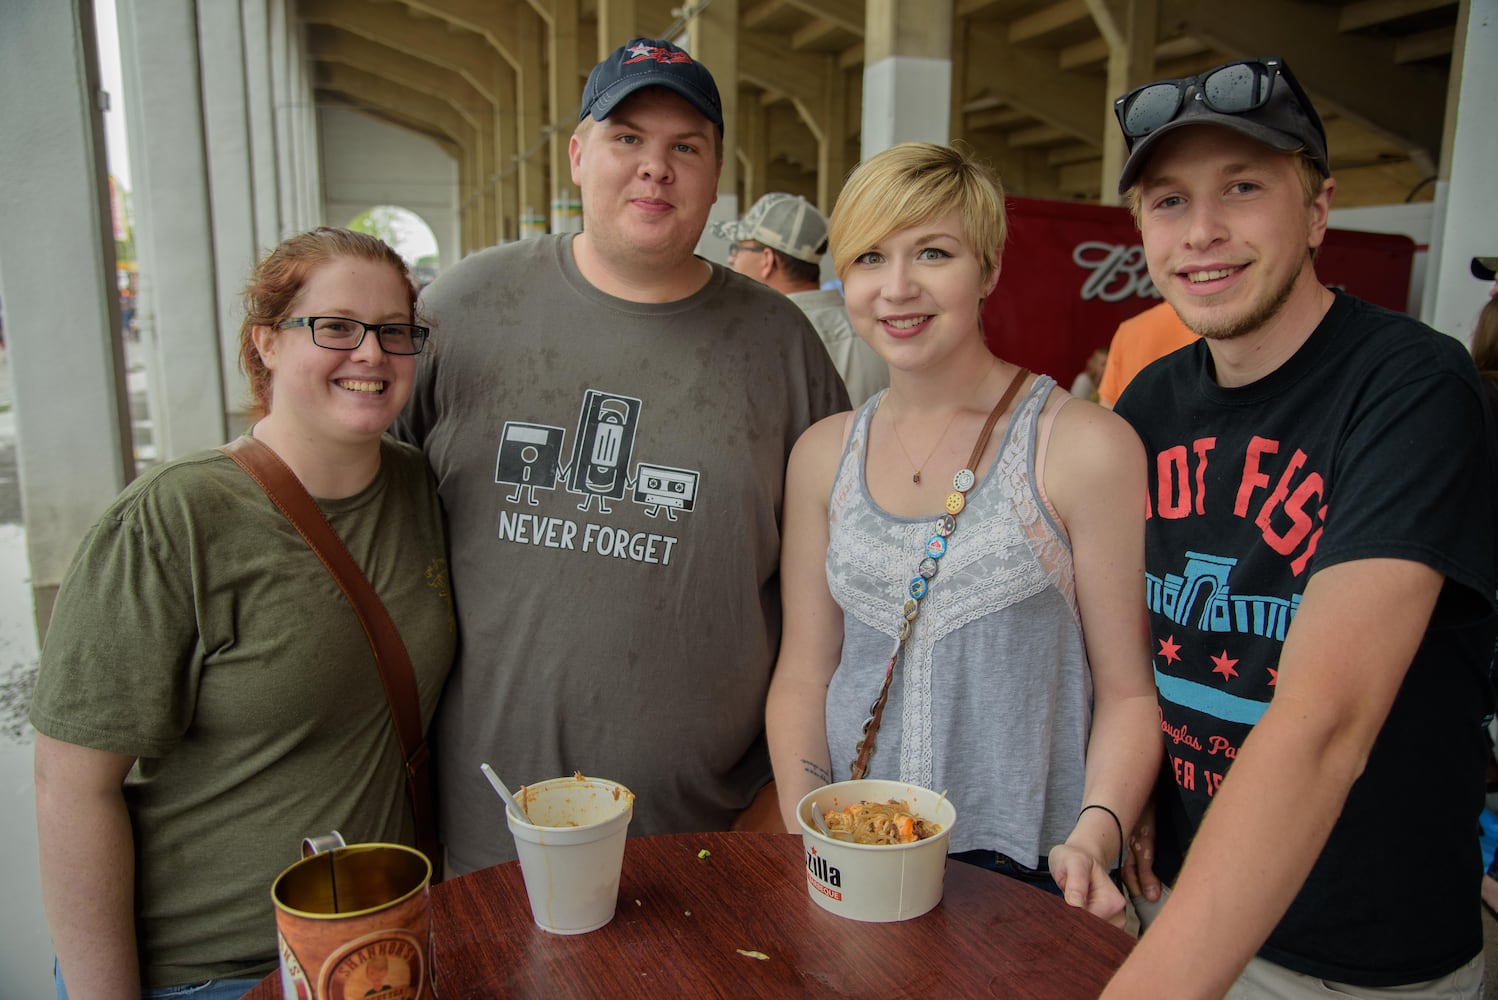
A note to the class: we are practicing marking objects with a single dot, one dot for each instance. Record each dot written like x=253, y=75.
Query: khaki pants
x=1264, y=980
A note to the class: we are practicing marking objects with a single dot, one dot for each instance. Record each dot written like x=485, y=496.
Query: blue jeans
x=210, y=989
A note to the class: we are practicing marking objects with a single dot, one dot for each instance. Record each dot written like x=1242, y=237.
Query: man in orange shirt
x=1139, y=340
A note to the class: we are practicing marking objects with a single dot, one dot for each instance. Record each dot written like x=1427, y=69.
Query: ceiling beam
x=851, y=57
x=1027, y=77
x=366, y=90
x=757, y=15
x=1048, y=19
x=1350, y=75
x=1425, y=45
x=1094, y=52
x=967, y=8
x=328, y=97
x=393, y=26
x=1001, y=119
x=1064, y=156
x=848, y=15
x=494, y=20
x=333, y=45
x=812, y=34
x=1370, y=13
x=765, y=62
x=1036, y=135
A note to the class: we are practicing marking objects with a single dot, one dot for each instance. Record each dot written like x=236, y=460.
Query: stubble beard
x=1258, y=315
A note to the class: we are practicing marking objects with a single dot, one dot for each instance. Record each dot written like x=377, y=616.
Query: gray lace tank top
x=992, y=694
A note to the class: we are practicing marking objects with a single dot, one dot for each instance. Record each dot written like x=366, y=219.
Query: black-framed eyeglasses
x=734, y=249
x=339, y=333
x=1235, y=88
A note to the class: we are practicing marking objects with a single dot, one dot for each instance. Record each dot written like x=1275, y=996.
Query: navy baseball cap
x=1485, y=268
x=650, y=62
x=1258, y=98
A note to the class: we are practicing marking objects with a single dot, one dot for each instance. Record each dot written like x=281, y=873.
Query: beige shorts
x=1264, y=980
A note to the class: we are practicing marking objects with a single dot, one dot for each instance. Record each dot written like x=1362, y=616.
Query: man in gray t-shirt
x=609, y=418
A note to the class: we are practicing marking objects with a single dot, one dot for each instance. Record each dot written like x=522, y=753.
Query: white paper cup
x=572, y=850
x=877, y=883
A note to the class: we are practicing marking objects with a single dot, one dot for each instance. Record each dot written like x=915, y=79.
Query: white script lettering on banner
x=1118, y=271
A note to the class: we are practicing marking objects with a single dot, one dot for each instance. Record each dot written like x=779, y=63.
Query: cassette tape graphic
x=663, y=486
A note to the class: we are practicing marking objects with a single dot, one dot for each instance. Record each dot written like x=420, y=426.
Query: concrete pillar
x=485, y=200
x=565, y=91
x=832, y=149
x=230, y=144
x=907, y=76
x=308, y=160
x=1131, y=33
x=506, y=182
x=1466, y=216
x=753, y=148
x=713, y=40
x=180, y=316
x=264, y=178
x=57, y=282
x=530, y=124
x=299, y=182
x=617, y=24
x=282, y=30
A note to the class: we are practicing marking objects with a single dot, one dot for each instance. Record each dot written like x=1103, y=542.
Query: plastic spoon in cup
x=820, y=820
x=504, y=793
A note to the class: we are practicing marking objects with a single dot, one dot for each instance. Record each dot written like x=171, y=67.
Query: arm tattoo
x=816, y=771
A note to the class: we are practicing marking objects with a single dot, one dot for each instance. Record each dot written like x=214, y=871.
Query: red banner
x=1073, y=272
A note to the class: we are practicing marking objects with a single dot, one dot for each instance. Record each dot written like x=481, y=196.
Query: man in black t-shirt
x=1319, y=576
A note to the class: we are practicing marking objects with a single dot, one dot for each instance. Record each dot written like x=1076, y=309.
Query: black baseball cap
x=650, y=62
x=1258, y=98
x=1485, y=268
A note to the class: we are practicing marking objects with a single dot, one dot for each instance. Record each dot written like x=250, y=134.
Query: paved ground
x=18, y=652
x=18, y=648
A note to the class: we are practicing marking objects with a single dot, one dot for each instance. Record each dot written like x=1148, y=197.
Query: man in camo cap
x=779, y=242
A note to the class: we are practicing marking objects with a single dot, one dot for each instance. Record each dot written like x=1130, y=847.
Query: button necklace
x=920, y=584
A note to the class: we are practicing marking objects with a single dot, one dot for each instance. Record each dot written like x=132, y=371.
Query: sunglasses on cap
x=1237, y=88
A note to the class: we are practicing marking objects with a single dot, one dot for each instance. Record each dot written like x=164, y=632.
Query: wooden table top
x=684, y=924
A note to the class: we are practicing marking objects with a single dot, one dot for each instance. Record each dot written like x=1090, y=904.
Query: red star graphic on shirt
x=1224, y=665
x=1170, y=649
x=1274, y=676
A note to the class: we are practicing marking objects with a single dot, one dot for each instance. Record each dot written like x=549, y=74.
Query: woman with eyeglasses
x=962, y=560
x=207, y=696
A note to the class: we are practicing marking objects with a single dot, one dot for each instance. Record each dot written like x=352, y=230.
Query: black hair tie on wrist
x=1116, y=822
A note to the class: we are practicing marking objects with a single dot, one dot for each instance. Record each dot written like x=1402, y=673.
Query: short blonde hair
x=912, y=183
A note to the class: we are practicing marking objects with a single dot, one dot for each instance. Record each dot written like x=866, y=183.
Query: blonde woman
x=1023, y=687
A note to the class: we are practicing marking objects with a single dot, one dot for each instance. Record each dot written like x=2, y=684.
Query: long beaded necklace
x=920, y=583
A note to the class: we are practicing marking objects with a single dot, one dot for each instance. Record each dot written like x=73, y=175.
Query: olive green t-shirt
x=196, y=631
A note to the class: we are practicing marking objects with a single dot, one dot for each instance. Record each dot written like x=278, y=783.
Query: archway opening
x=407, y=232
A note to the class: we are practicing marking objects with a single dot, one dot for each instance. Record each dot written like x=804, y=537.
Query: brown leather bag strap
x=265, y=467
